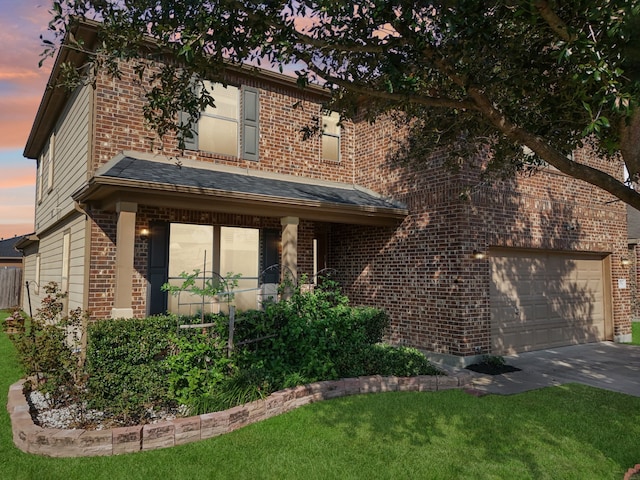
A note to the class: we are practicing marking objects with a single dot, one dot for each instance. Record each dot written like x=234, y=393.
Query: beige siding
x=77, y=263
x=70, y=154
x=28, y=275
x=50, y=251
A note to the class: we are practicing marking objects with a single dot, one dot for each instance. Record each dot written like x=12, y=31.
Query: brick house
x=523, y=264
x=633, y=260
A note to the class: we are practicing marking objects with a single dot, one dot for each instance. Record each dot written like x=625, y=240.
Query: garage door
x=543, y=300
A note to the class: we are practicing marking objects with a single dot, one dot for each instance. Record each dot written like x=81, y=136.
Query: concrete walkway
x=605, y=365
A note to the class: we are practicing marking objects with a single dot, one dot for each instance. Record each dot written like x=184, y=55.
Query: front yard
x=562, y=432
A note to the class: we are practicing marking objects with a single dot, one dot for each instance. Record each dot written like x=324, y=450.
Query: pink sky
x=21, y=87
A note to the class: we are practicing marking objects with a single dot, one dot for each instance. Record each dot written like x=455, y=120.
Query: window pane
x=239, y=251
x=331, y=136
x=218, y=136
x=225, y=100
x=330, y=147
x=188, y=245
x=330, y=123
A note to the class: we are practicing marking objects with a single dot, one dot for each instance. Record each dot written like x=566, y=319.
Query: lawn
x=635, y=333
x=561, y=432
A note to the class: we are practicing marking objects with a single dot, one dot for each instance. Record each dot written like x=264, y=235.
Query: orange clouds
x=21, y=81
x=16, y=117
x=10, y=230
x=15, y=177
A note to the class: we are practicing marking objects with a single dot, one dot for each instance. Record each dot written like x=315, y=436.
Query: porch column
x=290, y=244
x=125, y=242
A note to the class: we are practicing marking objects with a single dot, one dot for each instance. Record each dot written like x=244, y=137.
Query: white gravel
x=72, y=416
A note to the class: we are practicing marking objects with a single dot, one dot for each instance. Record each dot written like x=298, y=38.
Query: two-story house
x=517, y=265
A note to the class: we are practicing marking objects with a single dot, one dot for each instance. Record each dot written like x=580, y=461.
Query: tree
x=549, y=75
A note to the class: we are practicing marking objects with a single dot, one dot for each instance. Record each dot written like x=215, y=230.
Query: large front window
x=213, y=250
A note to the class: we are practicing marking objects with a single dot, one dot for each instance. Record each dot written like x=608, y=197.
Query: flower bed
x=31, y=438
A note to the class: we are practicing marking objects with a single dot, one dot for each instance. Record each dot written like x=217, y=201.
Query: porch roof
x=143, y=179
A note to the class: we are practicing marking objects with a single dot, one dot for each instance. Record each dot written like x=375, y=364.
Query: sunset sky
x=21, y=87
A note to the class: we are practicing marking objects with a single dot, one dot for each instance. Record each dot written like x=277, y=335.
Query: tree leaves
x=537, y=73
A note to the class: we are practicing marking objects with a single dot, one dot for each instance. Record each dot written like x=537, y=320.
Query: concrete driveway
x=607, y=365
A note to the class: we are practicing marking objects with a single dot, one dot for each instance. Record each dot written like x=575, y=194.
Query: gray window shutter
x=250, y=124
x=190, y=143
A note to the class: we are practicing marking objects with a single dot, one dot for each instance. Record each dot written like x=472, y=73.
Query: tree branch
x=549, y=154
x=553, y=20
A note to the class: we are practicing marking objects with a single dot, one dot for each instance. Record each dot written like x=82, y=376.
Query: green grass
x=572, y=432
x=635, y=333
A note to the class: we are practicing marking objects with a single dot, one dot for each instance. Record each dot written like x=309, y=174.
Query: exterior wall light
x=479, y=255
x=144, y=233
x=625, y=261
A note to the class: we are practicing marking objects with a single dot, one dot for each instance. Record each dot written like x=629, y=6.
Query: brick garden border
x=52, y=442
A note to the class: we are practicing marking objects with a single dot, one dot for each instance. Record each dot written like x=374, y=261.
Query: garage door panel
x=542, y=300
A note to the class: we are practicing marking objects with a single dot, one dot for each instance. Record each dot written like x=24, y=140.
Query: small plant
x=49, y=348
x=494, y=360
x=211, y=286
x=15, y=322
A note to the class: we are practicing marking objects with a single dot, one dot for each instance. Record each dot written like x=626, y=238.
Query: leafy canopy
x=500, y=74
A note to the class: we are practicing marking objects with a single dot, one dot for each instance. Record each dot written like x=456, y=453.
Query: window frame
x=247, y=123
x=330, y=116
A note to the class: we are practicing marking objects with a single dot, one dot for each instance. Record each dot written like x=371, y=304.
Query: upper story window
x=45, y=169
x=231, y=127
x=331, y=136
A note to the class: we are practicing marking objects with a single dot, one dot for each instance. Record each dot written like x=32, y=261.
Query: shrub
x=316, y=335
x=401, y=361
x=48, y=347
x=127, y=368
x=242, y=387
x=197, y=364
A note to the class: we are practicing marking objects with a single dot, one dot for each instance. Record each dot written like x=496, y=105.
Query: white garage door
x=543, y=300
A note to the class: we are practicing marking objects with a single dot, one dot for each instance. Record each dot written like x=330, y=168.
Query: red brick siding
x=423, y=273
x=120, y=126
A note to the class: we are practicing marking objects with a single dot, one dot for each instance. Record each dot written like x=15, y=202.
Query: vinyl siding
x=50, y=250
x=70, y=156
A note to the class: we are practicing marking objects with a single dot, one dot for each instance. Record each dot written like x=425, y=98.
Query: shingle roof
x=7, y=249
x=129, y=168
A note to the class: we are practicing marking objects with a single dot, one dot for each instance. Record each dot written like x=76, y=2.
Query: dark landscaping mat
x=490, y=369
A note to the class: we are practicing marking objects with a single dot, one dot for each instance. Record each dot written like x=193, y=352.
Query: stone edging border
x=31, y=438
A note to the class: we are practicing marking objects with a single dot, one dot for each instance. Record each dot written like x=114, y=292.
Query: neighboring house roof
x=236, y=190
x=633, y=223
x=7, y=248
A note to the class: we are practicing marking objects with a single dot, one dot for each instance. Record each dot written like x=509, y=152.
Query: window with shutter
x=231, y=127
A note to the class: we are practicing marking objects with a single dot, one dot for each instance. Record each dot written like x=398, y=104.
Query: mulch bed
x=492, y=369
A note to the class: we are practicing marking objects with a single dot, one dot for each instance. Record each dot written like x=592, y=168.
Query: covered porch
x=271, y=207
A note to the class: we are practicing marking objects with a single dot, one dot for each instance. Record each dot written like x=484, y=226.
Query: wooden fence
x=10, y=286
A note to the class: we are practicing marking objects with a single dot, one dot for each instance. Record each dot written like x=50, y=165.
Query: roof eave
x=55, y=95
x=105, y=192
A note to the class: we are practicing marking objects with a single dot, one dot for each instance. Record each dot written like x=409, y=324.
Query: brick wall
x=284, y=111
x=423, y=272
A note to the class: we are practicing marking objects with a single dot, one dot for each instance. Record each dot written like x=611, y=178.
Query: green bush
x=197, y=364
x=126, y=366
x=48, y=346
x=384, y=359
x=318, y=336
